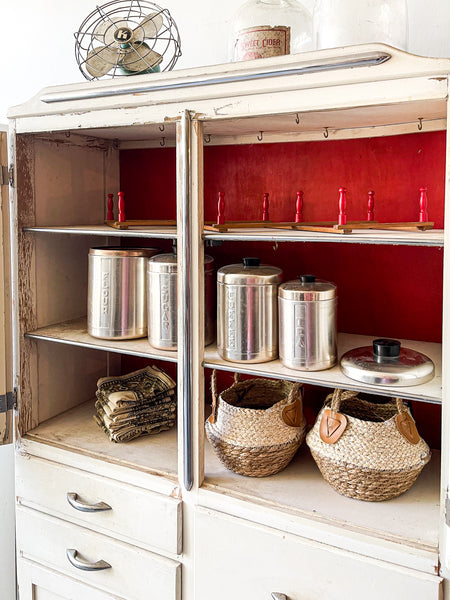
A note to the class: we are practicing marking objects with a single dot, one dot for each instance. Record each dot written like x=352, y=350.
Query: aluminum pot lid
x=249, y=272
x=121, y=252
x=167, y=263
x=307, y=289
x=387, y=363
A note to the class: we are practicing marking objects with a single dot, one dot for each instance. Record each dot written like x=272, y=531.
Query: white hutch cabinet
x=178, y=525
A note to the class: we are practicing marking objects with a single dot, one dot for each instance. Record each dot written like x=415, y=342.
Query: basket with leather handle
x=367, y=451
x=257, y=425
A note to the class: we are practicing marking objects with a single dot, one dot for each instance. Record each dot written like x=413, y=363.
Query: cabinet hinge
x=11, y=176
x=8, y=401
x=4, y=178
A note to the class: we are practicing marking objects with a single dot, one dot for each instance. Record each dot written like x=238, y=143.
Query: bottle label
x=261, y=42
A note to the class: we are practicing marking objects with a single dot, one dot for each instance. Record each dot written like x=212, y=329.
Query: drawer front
x=263, y=561
x=40, y=583
x=138, y=516
x=133, y=573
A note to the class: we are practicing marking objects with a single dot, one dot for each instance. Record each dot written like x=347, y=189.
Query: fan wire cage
x=127, y=37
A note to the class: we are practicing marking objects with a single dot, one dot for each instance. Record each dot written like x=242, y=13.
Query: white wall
x=38, y=51
x=38, y=42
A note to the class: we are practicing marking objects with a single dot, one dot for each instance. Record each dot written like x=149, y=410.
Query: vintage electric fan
x=127, y=37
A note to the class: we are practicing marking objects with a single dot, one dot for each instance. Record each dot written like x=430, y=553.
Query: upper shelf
x=332, y=378
x=104, y=230
x=401, y=238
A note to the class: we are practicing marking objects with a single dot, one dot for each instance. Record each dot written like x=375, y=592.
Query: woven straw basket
x=379, y=453
x=256, y=426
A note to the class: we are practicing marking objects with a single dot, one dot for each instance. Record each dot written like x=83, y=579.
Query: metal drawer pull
x=84, y=565
x=72, y=499
x=277, y=596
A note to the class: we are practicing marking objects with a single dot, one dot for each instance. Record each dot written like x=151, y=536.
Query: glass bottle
x=263, y=28
x=346, y=22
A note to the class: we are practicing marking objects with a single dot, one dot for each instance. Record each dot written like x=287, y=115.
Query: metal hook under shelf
x=161, y=128
x=297, y=118
x=162, y=143
x=207, y=138
x=325, y=133
x=420, y=124
x=260, y=136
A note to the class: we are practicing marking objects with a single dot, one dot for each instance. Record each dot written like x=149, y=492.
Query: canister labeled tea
x=307, y=319
x=247, y=320
x=162, y=301
x=117, y=296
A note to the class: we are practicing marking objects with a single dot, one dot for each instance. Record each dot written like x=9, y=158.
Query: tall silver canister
x=247, y=321
x=307, y=315
x=117, y=293
x=162, y=301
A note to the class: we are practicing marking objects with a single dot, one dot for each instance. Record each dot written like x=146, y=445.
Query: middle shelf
x=75, y=333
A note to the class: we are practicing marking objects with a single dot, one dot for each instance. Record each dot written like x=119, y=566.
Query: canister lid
x=121, y=252
x=307, y=289
x=387, y=363
x=167, y=263
x=249, y=272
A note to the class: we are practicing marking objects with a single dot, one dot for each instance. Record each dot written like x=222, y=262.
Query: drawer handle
x=84, y=565
x=73, y=500
x=277, y=596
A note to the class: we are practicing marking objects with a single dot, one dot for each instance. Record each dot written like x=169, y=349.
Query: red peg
x=299, y=208
x=342, y=220
x=423, y=205
x=265, y=212
x=370, y=206
x=221, y=209
x=110, y=215
x=122, y=218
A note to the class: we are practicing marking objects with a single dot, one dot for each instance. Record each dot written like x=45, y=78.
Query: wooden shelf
x=75, y=333
x=411, y=519
x=427, y=392
x=433, y=237
x=75, y=430
x=105, y=231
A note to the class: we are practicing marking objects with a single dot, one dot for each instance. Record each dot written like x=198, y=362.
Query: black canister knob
x=251, y=261
x=386, y=348
x=307, y=278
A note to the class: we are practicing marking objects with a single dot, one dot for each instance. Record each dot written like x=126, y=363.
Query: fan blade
x=105, y=31
x=101, y=60
x=151, y=24
x=141, y=58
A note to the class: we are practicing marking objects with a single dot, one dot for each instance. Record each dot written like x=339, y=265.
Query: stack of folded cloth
x=142, y=402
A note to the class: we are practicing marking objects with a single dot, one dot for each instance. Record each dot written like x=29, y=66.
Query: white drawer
x=260, y=560
x=40, y=583
x=138, y=516
x=133, y=574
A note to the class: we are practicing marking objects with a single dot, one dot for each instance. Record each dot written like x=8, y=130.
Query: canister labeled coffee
x=247, y=320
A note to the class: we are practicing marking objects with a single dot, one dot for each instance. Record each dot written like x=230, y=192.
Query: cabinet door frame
x=6, y=395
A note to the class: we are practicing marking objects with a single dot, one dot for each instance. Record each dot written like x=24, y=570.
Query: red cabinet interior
x=389, y=291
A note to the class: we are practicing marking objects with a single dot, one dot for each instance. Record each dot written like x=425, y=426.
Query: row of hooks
x=259, y=137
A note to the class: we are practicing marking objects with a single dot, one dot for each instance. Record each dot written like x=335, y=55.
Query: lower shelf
x=411, y=519
x=75, y=430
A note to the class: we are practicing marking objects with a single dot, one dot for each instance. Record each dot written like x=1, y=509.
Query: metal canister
x=247, y=322
x=307, y=319
x=117, y=295
x=162, y=301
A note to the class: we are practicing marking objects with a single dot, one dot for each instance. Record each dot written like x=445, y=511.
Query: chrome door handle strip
x=277, y=596
x=73, y=500
x=84, y=565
